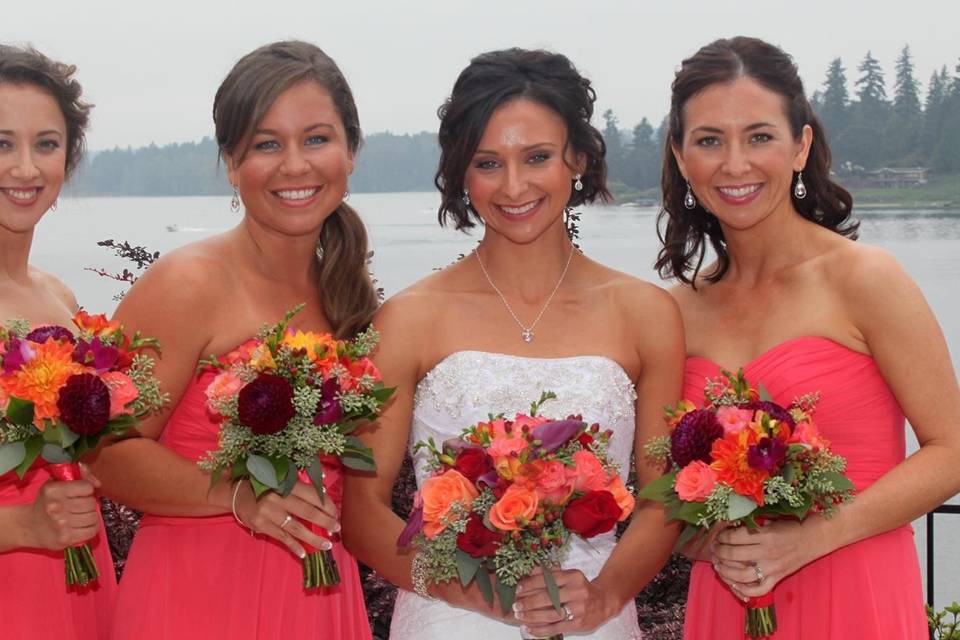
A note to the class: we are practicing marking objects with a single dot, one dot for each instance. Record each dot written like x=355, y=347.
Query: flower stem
x=320, y=570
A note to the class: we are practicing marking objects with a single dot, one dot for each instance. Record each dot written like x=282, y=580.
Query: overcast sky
x=152, y=68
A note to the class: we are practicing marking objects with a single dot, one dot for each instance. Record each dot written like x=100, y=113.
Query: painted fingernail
x=336, y=528
x=327, y=545
x=302, y=554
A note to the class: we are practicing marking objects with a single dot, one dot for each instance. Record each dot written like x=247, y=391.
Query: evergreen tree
x=871, y=84
x=835, y=99
x=611, y=135
x=862, y=141
x=906, y=98
x=905, y=123
x=937, y=92
x=643, y=158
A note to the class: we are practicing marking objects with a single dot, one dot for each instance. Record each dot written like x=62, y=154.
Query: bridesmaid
x=42, y=122
x=803, y=308
x=212, y=561
x=524, y=313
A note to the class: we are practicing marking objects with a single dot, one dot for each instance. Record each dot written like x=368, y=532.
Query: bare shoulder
x=863, y=272
x=639, y=299
x=194, y=274
x=55, y=286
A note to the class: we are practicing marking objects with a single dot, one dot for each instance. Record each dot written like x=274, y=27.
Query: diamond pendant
x=527, y=335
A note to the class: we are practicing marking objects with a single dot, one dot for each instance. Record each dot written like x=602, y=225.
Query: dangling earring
x=235, y=201
x=53, y=207
x=578, y=185
x=800, y=189
x=688, y=200
x=346, y=194
x=466, y=197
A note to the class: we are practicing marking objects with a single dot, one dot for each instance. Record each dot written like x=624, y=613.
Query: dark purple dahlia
x=693, y=437
x=329, y=410
x=266, y=404
x=84, y=404
x=774, y=410
x=40, y=334
x=767, y=455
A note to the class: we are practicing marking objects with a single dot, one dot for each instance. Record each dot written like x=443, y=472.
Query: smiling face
x=519, y=181
x=739, y=153
x=33, y=143
x=297, y=162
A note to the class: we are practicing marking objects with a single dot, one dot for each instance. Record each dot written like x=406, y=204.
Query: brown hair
x=349, y=298
x=27, y=66
x=491, y=80
x=685, y=232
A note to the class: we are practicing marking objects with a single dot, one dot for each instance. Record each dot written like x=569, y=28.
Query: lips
x=296, y=194
x=519, y=210
x=22, y=195
x=739, y=194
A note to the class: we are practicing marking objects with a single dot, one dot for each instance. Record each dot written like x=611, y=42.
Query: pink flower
x=589, y=472
x=122, y=392
x=555, y=482
x=695, y=481
x=522, y=421
x=225, y=385
x=806, y=433
x=506, y=444
x=733, y=419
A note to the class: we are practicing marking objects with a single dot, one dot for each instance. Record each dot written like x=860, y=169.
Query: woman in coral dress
x=802, y=308
x=42, y=122
x=210, y=560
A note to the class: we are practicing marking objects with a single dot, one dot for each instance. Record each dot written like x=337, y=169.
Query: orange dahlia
x=312, y=342
x=41, y=379
x=729, y=455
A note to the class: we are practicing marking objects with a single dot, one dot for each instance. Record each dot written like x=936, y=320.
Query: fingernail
x=517, y=607
x=519, y=588
x=336, y=528
x=327, y=545
x=302, y=554
x=526, y=630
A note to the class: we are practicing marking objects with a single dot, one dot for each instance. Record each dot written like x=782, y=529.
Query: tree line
x=866, y=127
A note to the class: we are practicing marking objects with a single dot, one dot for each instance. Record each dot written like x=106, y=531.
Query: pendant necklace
x=526, y=333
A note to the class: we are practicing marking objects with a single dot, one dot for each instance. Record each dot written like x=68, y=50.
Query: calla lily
x=553, y=435
x=414, y=525
x=19, y=352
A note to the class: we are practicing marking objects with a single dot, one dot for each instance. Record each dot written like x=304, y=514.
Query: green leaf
x=67, y=437
x=789, y=473
x=55, y=454
x=507, y=594
x=839, y=481
x=121, y=424
x=20, y=412
x=315, y=472
x=11, y=455
x=357, y=455
x=33, y=446
x=691, y=512
x=258, y=487
x=483, y=582
x=467, y=566
x=659, y=489
x=289, y=480
x=263, y=471
x=382, y=393
x=689, y=533
x=740, y=506
x=764, y=394
x=552, y=590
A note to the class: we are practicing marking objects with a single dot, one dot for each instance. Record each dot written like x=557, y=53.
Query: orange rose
x=590, y=474
x=695, y=481
x=122, y=392
x=439, y=494
x=516, y=503
x=623, y=497
x=554, y=482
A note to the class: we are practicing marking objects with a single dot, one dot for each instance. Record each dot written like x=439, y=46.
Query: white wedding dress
x=465, y=388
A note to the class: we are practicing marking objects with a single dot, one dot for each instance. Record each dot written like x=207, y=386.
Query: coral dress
x=35, y=602
x=869, y=589
x=206, y=577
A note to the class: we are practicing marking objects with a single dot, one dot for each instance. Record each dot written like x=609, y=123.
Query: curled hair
x=684, y=232
x=491, y=80
x=27, y=66
x=349, y=298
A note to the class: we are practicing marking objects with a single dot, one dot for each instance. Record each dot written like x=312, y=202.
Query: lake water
x=409, y=243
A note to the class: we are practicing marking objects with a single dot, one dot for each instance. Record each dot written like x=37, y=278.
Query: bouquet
x=60, y=393
x=744, y=459
x=506, y=496
x=285, y=400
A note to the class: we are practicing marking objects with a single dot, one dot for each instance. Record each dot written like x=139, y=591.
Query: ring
x=759, y=572
x=286, y=521
x=568, y=615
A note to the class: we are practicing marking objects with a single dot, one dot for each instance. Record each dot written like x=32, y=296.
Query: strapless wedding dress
x=465, y=388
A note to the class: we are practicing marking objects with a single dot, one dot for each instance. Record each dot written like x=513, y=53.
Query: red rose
x=472, y=463
x=477, y=540
x=591, y=514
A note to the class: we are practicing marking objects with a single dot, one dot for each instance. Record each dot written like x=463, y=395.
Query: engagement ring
x=286, y=521
x=568, y=614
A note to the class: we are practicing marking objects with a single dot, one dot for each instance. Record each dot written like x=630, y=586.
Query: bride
x=523, y=313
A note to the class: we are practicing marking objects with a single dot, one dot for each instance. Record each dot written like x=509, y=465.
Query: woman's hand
x=280, y=518
x=63, y=513
x=585, y=605
x=752, y=562
x=470, y=597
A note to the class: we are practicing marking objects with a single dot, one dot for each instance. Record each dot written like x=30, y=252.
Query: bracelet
x=418, y=574
x=233, y=506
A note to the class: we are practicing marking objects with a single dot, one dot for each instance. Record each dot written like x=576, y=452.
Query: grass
x=940, y=192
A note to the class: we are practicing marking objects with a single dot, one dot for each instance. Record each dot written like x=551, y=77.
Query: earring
x=346, y=194
x=800, y=189
x=53, y=207
x=688, y=200
x=235, y=201
x=466, y=197
x=578, y=185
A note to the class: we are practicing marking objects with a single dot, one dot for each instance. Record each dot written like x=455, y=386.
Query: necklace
x=526, y=333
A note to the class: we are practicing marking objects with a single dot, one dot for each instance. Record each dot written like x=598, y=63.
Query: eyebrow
x=530, y=147
x=752, y=127
x=45, y=132
x=316, y=125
